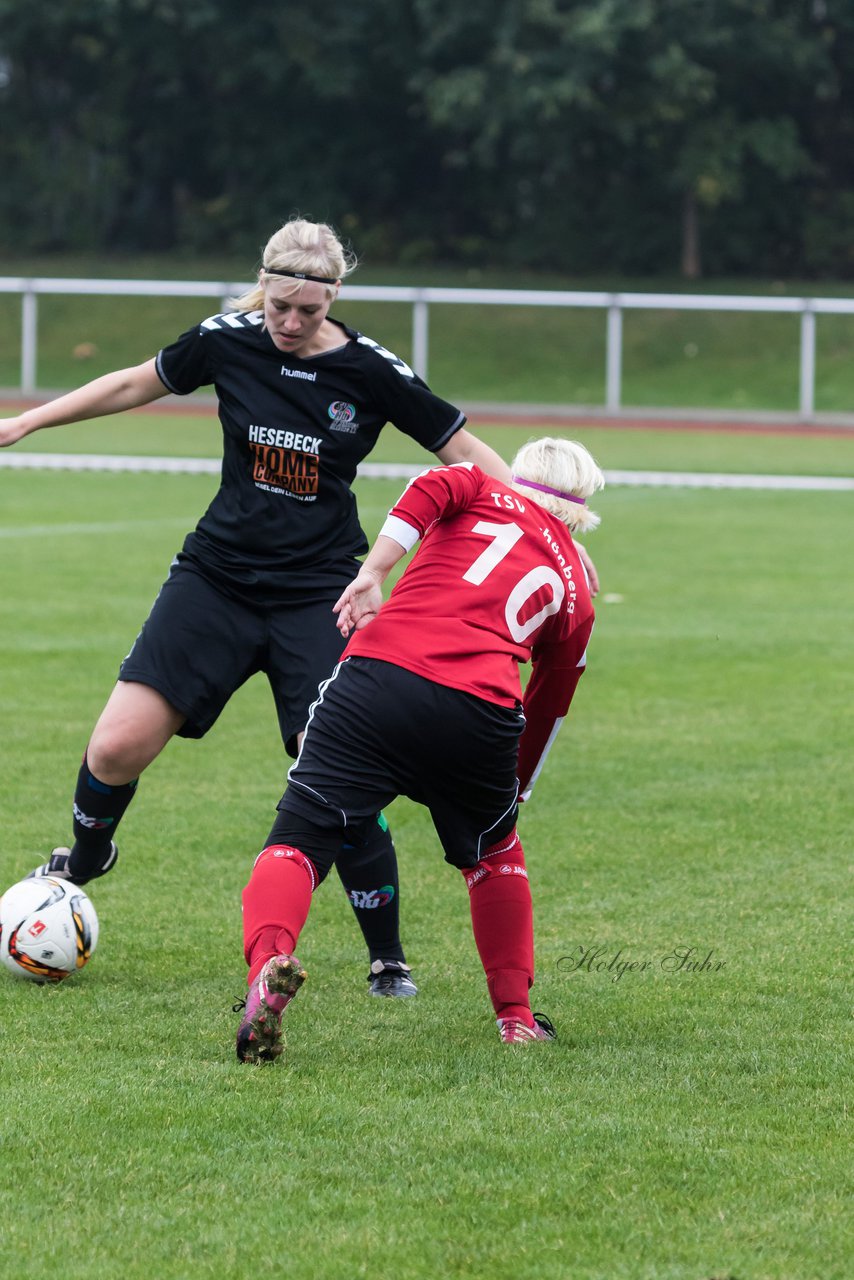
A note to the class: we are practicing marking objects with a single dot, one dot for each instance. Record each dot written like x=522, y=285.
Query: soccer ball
x=48, y=929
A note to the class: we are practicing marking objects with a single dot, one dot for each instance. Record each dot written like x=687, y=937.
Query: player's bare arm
x=464, y=447
x=112, y=393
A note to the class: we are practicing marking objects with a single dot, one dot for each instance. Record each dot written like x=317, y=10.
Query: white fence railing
x=613, y=304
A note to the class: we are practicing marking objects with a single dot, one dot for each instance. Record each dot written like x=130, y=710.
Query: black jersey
x=294, y=433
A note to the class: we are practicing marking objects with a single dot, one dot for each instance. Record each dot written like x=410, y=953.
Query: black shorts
x=199, y=645
x=378, y=731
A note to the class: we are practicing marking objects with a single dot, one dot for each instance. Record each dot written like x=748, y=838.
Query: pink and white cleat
x=260, y=1037
x=515, y=1031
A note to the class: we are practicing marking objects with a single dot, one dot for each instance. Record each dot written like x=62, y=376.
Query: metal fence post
x=29, y=339
x=420, y=336
x=806, y=400
x=614, y=357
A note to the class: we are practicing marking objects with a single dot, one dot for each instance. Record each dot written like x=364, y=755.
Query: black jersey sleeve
x=405, y=399
x=187, y=363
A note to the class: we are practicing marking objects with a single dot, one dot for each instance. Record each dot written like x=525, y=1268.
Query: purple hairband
x=546, y=488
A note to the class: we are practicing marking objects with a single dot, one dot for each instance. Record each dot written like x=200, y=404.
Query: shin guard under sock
x=276, y=903
x=502, y=920
x=98, y=810
x=367, y=868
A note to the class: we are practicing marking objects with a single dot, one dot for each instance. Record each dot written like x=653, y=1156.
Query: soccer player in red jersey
x=427, y=702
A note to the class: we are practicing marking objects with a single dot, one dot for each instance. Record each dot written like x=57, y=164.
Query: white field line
x=714, y=480
x=405, y=471
x=83, y=527
x=107, y=462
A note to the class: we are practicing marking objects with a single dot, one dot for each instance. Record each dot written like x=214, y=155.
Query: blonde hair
x=564, y=465
x=310, y=248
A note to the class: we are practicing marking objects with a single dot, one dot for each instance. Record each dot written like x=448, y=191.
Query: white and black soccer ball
x=48, y=929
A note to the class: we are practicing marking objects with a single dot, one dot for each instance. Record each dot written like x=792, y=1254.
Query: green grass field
x=688, y=1124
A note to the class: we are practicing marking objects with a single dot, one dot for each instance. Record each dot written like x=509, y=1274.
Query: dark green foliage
x=636, y=136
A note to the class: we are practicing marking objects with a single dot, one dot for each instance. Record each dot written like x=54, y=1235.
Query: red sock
x=502, y=919
x=275, y=904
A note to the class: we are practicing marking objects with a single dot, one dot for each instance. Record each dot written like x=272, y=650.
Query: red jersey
x=496, y=582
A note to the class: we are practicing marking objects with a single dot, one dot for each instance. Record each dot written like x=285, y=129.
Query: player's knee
x=508, y=849
x=276, y=852
x=113, y=756
x=294, y=831
x=504, y=858
x=368, y=841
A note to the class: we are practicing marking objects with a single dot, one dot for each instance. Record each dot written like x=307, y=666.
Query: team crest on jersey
x=343, y=416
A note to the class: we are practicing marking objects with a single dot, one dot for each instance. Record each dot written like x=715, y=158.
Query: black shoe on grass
x=57, y=866
x=391, y=978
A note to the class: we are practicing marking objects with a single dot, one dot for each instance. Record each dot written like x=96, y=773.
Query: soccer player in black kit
x=302, y=400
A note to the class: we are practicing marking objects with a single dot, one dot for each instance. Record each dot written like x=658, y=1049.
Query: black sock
x=98, y=810
x=369, y=877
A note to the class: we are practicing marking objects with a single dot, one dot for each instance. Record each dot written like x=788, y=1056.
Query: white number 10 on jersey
x=503, y=539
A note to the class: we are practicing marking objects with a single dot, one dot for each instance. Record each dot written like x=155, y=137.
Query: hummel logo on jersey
x=298, y=373
x=401, y=365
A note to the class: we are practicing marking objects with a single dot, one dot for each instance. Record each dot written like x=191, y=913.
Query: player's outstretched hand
x=359, y=603
x=11, y=430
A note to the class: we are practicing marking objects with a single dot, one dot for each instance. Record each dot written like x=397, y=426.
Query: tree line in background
x=626, y=136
